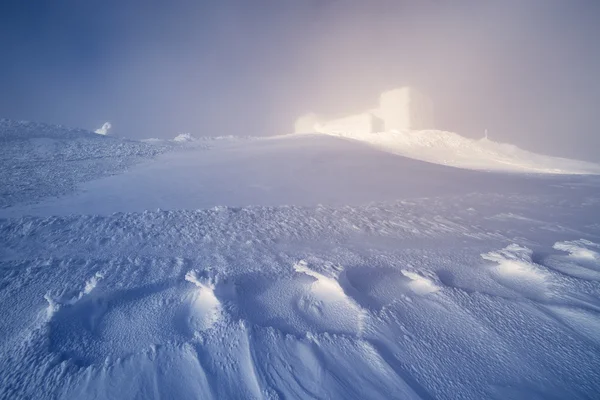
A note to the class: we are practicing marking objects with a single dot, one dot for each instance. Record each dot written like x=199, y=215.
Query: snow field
x=257, y=304
x=311, y=170
x=367, y=275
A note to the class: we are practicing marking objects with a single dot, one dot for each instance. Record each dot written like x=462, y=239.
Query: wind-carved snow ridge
x=203, y=280
x=553, y=294
x=580, y=249
x=419, y=284
x=324, y=284
x=68, y=299
x=452, y=149
x=93, y=327
x=378, y=288
x=104, y=129
x=326, y=299
x=309, y=301
x=205, y=307
x=582, y=260
x=517, y=271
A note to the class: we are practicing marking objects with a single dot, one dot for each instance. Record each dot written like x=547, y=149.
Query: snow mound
x=517, y=271
x=68, y=299
x=448, y=148
x=184, y=137
x=580, y=249
x=304, y=302
x=205, y=306
x=582, y=261
x=420, y=284
x=104, y=129
x=325, y=300
x=96, y=326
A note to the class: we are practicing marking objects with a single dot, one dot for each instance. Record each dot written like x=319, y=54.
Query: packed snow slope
x=301, y=169
x=452, y=149
x=303, y=266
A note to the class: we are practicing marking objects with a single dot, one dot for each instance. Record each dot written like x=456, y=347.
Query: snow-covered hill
x=305, y=170
x=41, y=160
x=300, y=266
x=11, y=130
x=448, y=148
x=413, y=300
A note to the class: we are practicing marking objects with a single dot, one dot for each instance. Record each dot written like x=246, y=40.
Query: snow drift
x=452, y=149
x=104, y=129
x=300, y=266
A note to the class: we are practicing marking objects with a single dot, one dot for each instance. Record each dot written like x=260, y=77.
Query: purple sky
x=525, y=70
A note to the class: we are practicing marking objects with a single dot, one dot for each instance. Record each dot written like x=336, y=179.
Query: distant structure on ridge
x=399, y=109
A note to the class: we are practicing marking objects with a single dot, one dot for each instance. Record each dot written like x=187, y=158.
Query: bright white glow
x=357, y=124
x=405, y=109
x=399, y=109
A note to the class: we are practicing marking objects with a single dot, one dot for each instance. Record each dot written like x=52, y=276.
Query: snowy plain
x=299, y=266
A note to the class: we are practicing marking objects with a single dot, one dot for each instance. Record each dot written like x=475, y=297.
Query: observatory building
x=399, y=109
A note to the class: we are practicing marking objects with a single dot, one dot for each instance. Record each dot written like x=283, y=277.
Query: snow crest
x=311, y=287
x=452, y=149
x=104, y=129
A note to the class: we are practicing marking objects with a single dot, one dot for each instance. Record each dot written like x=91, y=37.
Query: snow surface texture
x=40, y=161
x=440, y=283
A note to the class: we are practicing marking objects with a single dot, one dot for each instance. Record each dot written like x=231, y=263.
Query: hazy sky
x=528, y=70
